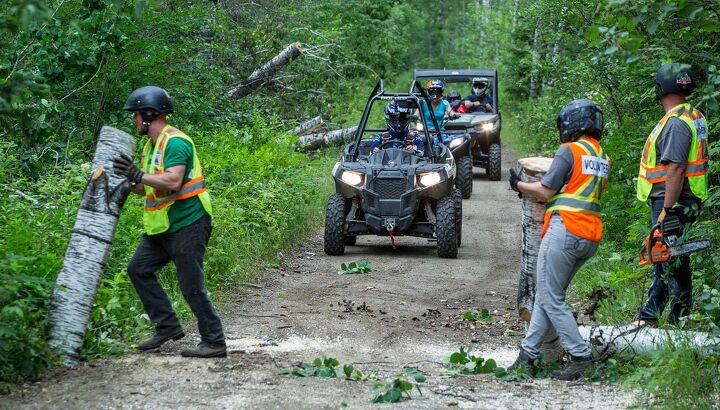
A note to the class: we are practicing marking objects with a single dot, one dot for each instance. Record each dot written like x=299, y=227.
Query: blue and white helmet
x=397, y=118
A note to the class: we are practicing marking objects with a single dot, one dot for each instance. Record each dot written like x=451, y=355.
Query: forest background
x=67, y=66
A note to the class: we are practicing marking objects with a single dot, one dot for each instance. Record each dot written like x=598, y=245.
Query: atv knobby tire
x=334, y=242
x=458, y=215
x=494, y=167
x=445, y=228
x=464, y=177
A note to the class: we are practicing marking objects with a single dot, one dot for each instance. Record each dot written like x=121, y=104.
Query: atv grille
x=389, y=188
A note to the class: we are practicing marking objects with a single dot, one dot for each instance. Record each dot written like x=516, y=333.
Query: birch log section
x=79, y=277
x=308, y=126
x=262, y=74
x=323, y=139
x=533, y=215
x=640, y=340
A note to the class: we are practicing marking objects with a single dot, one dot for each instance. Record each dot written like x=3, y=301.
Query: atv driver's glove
x=514, y=179
x=123, y=165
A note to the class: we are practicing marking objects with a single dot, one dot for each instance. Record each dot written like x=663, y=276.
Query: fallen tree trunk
x=323, y=139
x=309, y=126
x=262, y=74
x=642, y=339
x=89, y=247
x=533, y=215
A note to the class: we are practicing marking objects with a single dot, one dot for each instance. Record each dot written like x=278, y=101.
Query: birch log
x=89, y=247
x=308, y=126
x=262, y=74
x=533, y=215
x=640, y=340
x=323, y=139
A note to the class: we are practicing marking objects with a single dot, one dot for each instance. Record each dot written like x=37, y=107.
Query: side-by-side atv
x=483, y=126
x=394, y=191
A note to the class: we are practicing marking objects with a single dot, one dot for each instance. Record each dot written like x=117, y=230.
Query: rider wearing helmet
x=674, y=177
x=456, y=102
x=571, y=233
x=440, y=107
x=397, y=118
x=177, y=222
x=478, y=100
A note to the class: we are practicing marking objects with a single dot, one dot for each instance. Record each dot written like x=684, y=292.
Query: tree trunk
x=89, y=247
x=535, y=69
x=641, y=340
x=308, y=126
x=323, y=139
x=262, y=74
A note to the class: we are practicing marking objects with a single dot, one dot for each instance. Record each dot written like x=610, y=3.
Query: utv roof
x=454, y=75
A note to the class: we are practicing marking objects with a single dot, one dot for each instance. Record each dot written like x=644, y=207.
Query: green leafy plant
x=355, y=267
x=519, y=375
x=478, y=315
x=400, y=387
x=351, y=373
x=463, y=363
x=320, y=367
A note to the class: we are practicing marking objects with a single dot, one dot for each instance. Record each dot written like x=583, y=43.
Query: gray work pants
x=561, y=255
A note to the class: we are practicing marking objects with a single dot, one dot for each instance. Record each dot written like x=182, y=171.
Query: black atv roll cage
x=378, y=93
x=458, y=76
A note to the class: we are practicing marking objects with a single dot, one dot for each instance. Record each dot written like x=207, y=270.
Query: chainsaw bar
x=689, y=247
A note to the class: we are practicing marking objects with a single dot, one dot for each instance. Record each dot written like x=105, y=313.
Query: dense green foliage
x=67, y=67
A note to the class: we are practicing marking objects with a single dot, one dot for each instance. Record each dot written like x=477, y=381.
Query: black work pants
x=672, y=282
x=186, y=248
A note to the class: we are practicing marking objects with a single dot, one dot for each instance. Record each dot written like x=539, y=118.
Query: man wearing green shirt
x=177, y=221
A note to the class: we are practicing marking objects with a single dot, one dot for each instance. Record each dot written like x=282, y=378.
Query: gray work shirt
x=673, y=145
x=560, y=171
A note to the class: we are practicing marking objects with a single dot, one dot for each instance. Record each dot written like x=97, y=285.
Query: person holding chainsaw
x=177, y=222
x=398, y=118
x=674, y=177
x=571, y=233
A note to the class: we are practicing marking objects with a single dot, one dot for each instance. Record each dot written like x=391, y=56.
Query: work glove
x=123, y=165
x=514, y=179
x=670, y=219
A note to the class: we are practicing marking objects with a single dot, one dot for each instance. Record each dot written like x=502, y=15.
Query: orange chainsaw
x=661, y=244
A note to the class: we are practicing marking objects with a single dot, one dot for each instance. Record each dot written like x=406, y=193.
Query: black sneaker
x=574, y=369
x=205, y=350
x=523, y=360
x=158, y=339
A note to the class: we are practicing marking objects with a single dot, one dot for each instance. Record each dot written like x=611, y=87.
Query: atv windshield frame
x=379, y=94
x=460, y=76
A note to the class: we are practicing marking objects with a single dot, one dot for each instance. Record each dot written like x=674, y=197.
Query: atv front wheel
x=494, y=167
x=445, y=228
x=458, y=215
x=464, y=176
x=334, y=242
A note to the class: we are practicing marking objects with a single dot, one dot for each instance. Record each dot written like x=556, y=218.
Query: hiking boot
x=523, y=360
x=574, y=369
x=205, y=350
x=158, y=339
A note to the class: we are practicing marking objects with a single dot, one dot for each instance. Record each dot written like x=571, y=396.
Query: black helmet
x=580, y=117
x=453, y=95
x=397, y=118
x=674, y=78
x=149, y=97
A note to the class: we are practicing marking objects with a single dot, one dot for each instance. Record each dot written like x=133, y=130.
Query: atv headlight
x=351, y=178
x=456, y=142
x=488, y=126
x=429, y=179
x=419, y=126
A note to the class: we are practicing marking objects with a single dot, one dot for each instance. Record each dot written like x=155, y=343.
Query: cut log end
x=97, y=173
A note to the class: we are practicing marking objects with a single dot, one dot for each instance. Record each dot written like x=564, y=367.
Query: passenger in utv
x=478, y=100
x=177, y=221
x=397, y=118
x=440, y=107
x=571, y=233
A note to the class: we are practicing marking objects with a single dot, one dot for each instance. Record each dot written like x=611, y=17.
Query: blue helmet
x=436, y=89
x=397, y=118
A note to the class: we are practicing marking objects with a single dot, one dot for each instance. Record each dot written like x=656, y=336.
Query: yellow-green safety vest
x=697, y=167
x=158, y=202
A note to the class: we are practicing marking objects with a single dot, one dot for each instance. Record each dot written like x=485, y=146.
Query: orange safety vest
x=578, y=201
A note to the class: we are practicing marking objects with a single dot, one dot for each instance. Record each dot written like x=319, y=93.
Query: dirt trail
x=408, y=311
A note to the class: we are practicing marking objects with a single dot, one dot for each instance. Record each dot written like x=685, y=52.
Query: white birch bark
x=262, y=74
x=79, y=277
x=323, y=139
x=641, y=340
x=308, y=126
x=535, y=68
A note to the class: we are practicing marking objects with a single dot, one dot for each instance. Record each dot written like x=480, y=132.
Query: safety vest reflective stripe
x=190, y=189
x=568, y=203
